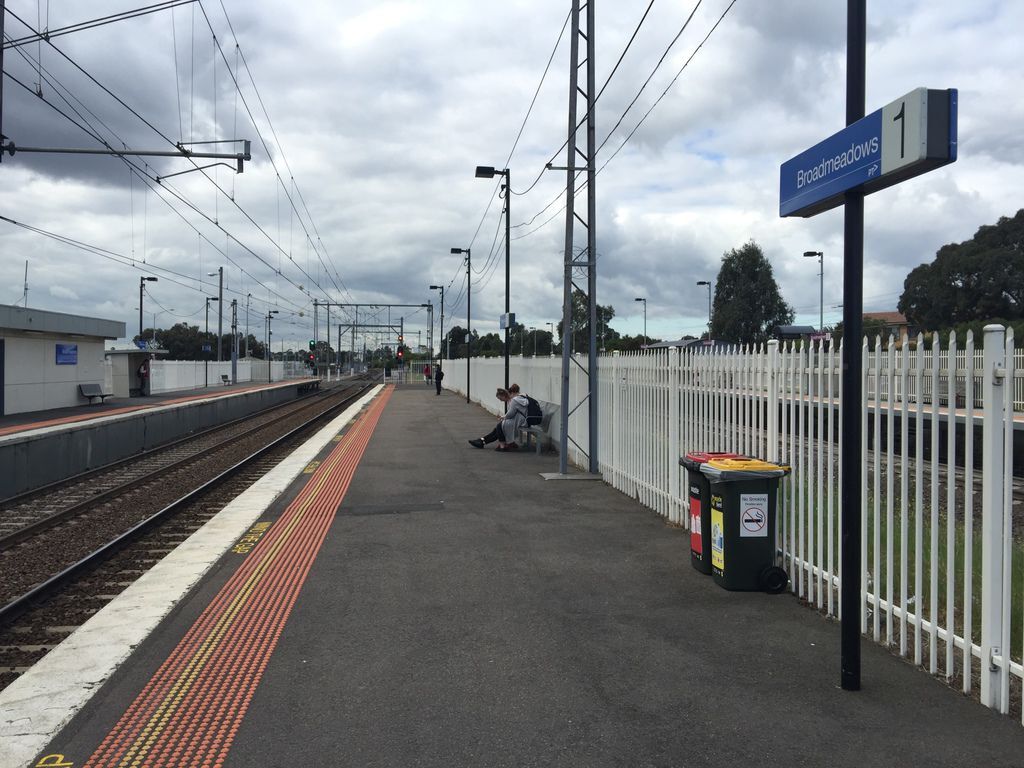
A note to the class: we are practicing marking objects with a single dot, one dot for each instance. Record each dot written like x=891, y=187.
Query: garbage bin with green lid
x=700, y=506
x=743, y=500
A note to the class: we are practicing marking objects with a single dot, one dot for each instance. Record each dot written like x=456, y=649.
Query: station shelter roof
x=42, y=321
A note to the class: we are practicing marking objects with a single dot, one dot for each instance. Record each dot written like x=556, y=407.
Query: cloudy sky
x=368, y=117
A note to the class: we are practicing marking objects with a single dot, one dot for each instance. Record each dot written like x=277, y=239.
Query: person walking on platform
x=426, y=373
x=438, y=375
x=508, y=425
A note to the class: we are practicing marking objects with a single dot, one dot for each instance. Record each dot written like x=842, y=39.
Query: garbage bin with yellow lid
x=743, y=504
x=699, y=498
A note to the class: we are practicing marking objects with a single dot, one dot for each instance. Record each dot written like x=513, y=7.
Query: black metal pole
x=469, y=317
x=508, y=241
x=206, y=355
x=220, y=315
x=853, y=302
x=142, y=282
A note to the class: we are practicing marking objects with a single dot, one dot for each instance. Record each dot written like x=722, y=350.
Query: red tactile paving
x=189, y=712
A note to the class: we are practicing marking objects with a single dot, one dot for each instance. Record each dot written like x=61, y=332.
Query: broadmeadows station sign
x=910, y=136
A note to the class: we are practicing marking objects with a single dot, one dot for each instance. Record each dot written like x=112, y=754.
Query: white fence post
x=674, y=485
x=772, y=423
x=992, y=518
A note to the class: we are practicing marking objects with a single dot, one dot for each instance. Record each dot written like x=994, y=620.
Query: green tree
x=581, y=324
x=978, y=279
x=747, y=304
x=455, y=342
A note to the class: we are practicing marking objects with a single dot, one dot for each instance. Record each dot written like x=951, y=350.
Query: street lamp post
x=534, y=332
x=270, y=356
x=440, y=330
x=551, y=345
x=220, y=311
x=469, y=314
x=487, y=172
x=206, y=355
x=142, y=284
x=645, y=318
x=821, y=286
x=708, y=284
x=247, y=297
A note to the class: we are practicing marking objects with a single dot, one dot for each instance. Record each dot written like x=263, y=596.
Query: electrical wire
x=522, y=126
x=637, y=126
x=94, y=134
x=580, y=123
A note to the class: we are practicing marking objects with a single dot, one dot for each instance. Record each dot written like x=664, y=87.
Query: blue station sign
x=912, y=135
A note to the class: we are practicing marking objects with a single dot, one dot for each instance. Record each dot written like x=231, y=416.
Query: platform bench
x=225, y=379
x=93, y=390
x=539, y=432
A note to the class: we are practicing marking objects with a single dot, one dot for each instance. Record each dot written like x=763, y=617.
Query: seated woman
x=508, y=425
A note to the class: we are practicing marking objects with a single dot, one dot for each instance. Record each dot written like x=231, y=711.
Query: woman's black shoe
x=477, y=442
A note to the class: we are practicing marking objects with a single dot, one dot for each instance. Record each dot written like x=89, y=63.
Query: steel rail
x=32, y=529
x=20, y=604
x=21, y=498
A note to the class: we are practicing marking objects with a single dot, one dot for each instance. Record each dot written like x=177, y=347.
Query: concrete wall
x=31, y=461
x=34, y=382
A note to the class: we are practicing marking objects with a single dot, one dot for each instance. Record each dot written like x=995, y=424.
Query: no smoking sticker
x=753, y=515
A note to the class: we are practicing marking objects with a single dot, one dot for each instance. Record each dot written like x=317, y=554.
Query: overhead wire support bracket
x=239, y=157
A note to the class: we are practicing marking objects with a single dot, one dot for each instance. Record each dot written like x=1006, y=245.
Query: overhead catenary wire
x=167, y=139
x=107, y=143
x=522, y=125
x=335, y=278
x=582, y=121
x=582, y=186
x=142, y=174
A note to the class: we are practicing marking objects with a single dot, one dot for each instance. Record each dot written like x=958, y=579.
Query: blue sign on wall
x=67, y=354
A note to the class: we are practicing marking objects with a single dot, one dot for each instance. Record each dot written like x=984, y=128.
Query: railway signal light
x=312, y=344
x=401, y=352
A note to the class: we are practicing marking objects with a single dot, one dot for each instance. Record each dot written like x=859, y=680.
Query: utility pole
x=234, y=341
x=588, y=259
x=469, y=313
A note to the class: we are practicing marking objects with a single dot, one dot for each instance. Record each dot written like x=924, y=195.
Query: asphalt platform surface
x=463, y=611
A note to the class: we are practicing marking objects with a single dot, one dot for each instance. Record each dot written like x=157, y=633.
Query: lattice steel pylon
x=583, y=265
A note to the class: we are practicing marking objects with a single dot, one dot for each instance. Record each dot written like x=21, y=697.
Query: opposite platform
x=461, y=611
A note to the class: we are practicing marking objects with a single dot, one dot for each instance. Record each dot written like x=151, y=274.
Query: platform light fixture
x=142, y=285
x=821, y=286
x=489, y=172
x=708, y=284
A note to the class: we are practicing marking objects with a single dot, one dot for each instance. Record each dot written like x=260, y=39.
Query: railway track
x=28, y=514
x=59, y=575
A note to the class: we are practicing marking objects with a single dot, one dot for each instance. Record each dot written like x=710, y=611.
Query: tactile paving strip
x=189, y=712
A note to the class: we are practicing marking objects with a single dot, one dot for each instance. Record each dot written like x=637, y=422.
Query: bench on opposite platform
x=225, y=379
x=539, y=432
x=93, y=390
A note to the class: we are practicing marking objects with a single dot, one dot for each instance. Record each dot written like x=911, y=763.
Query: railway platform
x=32, y=421
x=42, y=447
x=391, y=596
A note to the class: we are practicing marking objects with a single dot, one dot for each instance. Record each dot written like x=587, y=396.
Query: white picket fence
x=940, y=560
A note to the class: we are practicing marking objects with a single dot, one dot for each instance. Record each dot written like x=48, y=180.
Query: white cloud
x=384, y=109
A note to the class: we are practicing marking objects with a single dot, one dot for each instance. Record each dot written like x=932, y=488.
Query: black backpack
x=534, y=415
